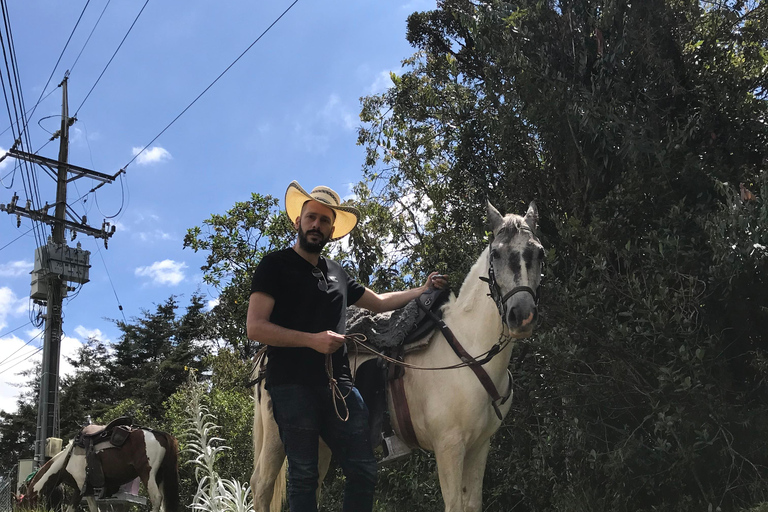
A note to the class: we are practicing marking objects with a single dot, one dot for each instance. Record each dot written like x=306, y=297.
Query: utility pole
x=56, y=264
x=48, y=406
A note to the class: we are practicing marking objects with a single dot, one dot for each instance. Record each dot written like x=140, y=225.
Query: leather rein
x=467, y=360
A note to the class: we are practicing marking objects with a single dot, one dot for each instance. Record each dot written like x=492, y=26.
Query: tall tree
x=235, y=242
x=631, y=124
x=155, y=350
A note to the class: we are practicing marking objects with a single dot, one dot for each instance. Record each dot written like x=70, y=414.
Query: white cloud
x=10, y=306
x=16, y=268
x=334, y=112
x=319, y=125
x=7, y=162
x=212, y=304
x=148, y=236
x=383, y=81
x=21, y=354
x=419, y=5
x=152, y=155
x=86, y=333
x=166, y=272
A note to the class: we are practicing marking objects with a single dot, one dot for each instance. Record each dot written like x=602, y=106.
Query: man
x=298, y=307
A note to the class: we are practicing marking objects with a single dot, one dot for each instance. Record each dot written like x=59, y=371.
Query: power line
x=27, y=358
x=21, y=235
x=211, y=84
x=110, y=59
x=72, y=67
x=16, y=104
x=20, y=348
x=119, y=306
x=53, y=71
x=14, y=330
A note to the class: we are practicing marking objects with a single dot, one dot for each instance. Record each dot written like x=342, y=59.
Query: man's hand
x=327, y=342
x=436, y=280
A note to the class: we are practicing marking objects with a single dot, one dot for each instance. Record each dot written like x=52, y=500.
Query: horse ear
x=532, y=216
x=494, y=218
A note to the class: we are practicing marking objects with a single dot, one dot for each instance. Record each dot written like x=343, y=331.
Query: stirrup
x=394, y=449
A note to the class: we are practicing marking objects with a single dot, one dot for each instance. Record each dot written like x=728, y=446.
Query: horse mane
x=472, y=285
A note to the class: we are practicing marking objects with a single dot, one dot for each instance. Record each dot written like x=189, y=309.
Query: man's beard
x=312, y=247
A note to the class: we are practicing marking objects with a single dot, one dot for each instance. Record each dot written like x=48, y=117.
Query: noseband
x=495, y=291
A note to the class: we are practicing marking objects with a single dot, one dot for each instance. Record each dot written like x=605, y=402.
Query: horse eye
x=494, y=253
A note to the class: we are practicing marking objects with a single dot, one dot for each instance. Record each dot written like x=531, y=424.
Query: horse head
x=515, y=258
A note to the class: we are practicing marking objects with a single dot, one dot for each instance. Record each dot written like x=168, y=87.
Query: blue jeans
x=306, y=413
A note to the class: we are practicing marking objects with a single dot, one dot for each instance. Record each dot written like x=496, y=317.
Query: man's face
x=315, y=226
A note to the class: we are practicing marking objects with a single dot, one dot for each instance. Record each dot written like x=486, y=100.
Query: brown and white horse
x=451, y=411
x=147, y=454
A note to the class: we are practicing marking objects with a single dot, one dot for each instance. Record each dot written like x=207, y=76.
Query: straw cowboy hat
x=346, y=216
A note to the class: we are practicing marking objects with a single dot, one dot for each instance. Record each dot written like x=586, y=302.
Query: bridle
x=495, y=290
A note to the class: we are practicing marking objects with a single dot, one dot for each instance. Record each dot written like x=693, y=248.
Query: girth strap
x=403, y=412
x=473, y=364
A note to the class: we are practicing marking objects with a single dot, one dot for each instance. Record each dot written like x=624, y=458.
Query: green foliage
x=151, y=358
x=630, y=123
x=235, y=242
x=213, y=492
x=230, y=402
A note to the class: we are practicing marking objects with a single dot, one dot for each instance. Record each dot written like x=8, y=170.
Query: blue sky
x=287, y=110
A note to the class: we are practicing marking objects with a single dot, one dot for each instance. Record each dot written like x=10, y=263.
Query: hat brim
x=346, y=216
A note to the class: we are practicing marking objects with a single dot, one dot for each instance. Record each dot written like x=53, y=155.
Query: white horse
x=452, y=413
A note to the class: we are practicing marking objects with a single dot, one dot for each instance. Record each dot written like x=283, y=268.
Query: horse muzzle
x=521, y=313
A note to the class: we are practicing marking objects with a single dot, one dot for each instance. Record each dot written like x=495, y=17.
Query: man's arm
x=260, y=329
x=378, y=303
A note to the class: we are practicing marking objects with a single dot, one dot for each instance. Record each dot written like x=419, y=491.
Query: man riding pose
x=298, y=307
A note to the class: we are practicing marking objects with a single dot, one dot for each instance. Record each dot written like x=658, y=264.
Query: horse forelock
x=513, y=226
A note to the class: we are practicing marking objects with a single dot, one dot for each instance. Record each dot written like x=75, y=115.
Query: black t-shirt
x=302, y=306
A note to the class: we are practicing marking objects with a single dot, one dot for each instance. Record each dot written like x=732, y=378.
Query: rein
x=359, y=340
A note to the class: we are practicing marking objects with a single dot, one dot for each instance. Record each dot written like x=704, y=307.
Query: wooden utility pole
x=56, y=264
x=48, y=407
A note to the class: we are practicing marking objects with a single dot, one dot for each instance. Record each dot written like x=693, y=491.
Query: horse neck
x=44, y=479
x=47, y=475
x=474, y=316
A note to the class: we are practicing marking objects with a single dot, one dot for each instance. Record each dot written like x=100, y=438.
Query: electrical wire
x=30, y=111
x=16, y=104
x=14, y=330
x=109, y=277
x=72, y=67
x=111, y=58
x=21, y=235
x=53, y=71
x=211, y=84
x=13, y=172
x=123, y=201
x=20, y=348
x=30, y=356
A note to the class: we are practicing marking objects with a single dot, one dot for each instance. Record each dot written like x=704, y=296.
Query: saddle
x=372, y=382
x=115, y=433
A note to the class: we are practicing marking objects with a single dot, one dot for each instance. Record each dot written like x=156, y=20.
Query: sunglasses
x=322, y=284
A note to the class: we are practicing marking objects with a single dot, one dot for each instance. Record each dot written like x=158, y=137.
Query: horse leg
x=474, y=470
x=91, y=501
x=268, y=478
x=323, y=463
x=450, y=470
